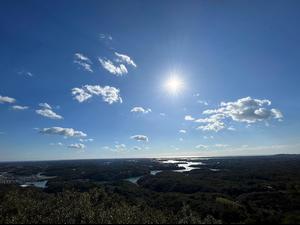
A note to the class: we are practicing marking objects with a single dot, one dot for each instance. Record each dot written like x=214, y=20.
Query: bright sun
x=174, y=85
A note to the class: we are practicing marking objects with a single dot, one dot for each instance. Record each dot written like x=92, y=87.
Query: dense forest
x=221, y=190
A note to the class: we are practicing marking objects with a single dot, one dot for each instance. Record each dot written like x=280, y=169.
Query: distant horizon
x=155, y=158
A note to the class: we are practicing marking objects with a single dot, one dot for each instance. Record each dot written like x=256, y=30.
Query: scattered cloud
x=45, y=105
x=141, y=110
x=122, y=58
x=116, y=148
x=117, y=67
x=140, y=138
x=118, y=70
x=163, y=114
x=49, y=114
x=83, y=61
x=5, y=99
x=247, y=110
x=189, y=118
x=66, y=132
x=109, y=94
x=47, y=111
x=201, y=147
x=19, y=107
x=182, y=131
x=79, y=146
x=86, y=140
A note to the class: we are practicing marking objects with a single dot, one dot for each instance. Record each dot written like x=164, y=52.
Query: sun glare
x=174, y=85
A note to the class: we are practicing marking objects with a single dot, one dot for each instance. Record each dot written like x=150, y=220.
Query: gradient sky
x=237, y=63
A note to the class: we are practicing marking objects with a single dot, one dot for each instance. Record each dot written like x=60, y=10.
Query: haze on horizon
x=110, y=80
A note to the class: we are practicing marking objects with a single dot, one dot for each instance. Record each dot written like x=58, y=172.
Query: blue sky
x=148, y=79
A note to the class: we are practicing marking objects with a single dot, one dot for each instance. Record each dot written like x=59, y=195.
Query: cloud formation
x=189, y=118
x=83, y=61
x=118, y=67
x=66, y=132
x=47, y=111
x=109, y=94
x=182, y=131
x=5, y=99
x=140, y=138
x=79, y=146
x=122, y=58
x=19, y=107
x=118, y=70
x=141, y=110
x=246, y=110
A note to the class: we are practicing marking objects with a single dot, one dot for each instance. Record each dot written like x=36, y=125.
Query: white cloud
x=245, y=110
x=163, y=114
x=86, y=140
x=47, y=111
x=77, y=146
x=212, y=126
x=66, y=132
x=122, y=58
x=109, y=94
x=189, y=118
x=49, y=114
x=141, y=110
x=19, y=108
x=182, y=131
x=140, y=138
x=83, y=61
x=117, y=70
x=201, y=147
x=116, y=148
x=45, y=105
x=5, y=99
x=80, y=94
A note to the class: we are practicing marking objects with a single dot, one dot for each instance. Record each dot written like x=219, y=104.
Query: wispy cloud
x=118, y=67
x=117, y=70
x=140, y=138
x=141, y=110
x=122, y=58
x=5, y=99
x=66, y=132
x=78, y=146
x=83, y=61
x=189, y=118
x=19, y=107
x=109, y=94
x=182, y=131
